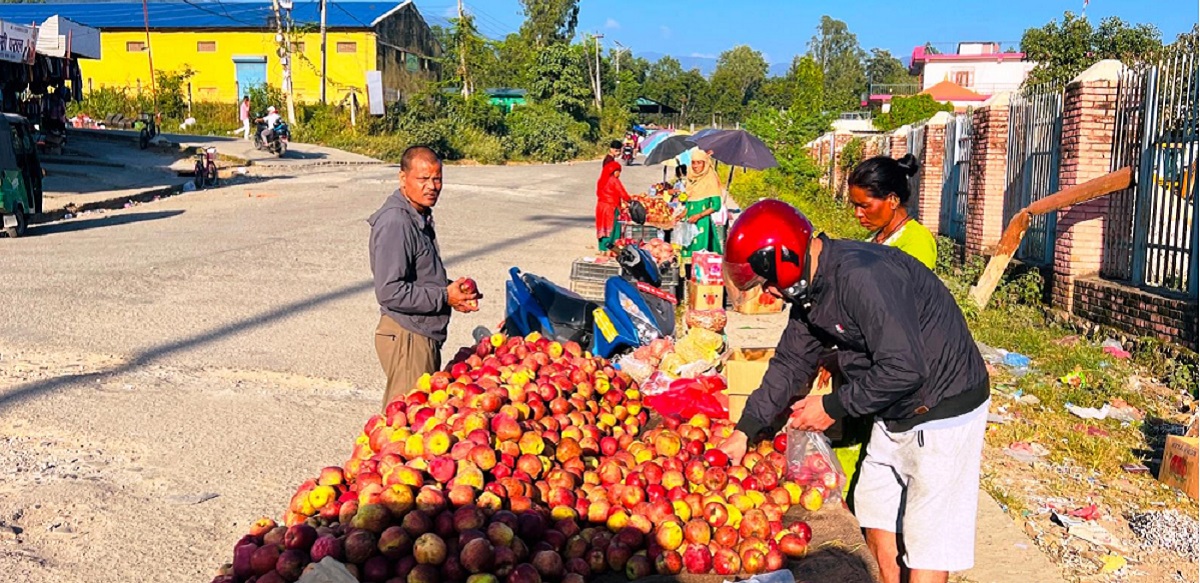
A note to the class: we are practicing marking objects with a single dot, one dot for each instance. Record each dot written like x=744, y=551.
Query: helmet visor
x=741, y=276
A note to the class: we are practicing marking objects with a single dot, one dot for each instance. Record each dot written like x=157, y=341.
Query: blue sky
x=782, y=28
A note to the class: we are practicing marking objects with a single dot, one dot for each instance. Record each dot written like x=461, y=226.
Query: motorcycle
x=279, y=141
x=627, y=155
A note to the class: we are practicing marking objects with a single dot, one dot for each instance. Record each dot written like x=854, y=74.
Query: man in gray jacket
x=415, y=297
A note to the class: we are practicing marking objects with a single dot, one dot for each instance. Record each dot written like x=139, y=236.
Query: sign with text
x=17, y=42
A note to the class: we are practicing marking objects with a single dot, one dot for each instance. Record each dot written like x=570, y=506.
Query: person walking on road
x=908, y=359
x=415, y=296
x=244, y=115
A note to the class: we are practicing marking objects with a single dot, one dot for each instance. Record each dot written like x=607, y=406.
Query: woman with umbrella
x=703, y=190
x=611, y=196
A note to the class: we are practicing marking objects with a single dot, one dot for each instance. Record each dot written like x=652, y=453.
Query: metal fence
x=916, y=147
x=1034, y=152
x=956, y=176
x=1150, y=239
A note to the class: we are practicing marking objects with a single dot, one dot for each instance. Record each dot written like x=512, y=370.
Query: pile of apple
x=658, y=210
x=522, y=463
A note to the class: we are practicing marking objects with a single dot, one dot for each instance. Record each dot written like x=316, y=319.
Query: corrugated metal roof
x=199, y=14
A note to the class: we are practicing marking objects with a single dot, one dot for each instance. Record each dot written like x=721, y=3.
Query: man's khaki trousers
x=405, y=356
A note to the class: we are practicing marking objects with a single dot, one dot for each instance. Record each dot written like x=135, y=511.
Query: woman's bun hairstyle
x=909, y=164
x=883, y=176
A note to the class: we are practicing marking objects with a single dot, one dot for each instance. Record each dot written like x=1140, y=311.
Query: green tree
x=739, y=73
x=687, y=91
x=559, y=79
x=884, y=69
x=836, y=49
x=549, y=21
x=911, y=109
x=1065, y=49
x=809, y=97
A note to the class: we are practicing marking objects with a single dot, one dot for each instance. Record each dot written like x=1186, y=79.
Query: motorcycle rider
x=270, y=121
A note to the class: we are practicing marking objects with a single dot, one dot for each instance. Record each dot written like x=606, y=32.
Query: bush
x=815, y=202
x=475, y=144
x=542, y=133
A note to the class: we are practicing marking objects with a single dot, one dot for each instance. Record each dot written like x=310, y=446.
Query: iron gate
x=1034, y=150
x=956, y=176
x=916, y=147
x=1151, y=239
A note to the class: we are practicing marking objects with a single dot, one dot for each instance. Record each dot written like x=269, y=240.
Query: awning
x=61, y=37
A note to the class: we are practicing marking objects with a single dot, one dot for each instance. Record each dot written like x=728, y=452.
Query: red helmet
x=768, y=244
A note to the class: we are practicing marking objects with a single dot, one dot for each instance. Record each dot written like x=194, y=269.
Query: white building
x=978, y=66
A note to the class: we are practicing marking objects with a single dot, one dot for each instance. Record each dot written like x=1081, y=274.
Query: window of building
x=206, y=46
x=347, y=47
x=963, y=78
x=412, y=62
x=134, y=46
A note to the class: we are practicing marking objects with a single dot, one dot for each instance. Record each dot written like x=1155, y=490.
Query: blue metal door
x=251, y=72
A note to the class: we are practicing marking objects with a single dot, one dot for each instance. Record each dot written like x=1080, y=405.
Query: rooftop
x=200, y=15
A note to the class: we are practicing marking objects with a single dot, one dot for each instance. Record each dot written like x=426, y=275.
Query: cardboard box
x=1179, y=464
x=706, y=297
x=755, y=301
x=744, y=370
x=706, y=268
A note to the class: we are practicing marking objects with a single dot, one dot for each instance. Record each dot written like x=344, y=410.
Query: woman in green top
x=703, y=190
x=878, y=189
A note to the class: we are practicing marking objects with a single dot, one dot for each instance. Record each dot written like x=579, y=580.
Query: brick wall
x=900, y=143
x=1089, y=120
x=839, y=141
x=985, y=186
x=930, y=195
x=1136, y=312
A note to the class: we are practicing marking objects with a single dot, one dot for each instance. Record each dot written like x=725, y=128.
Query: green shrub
x=542, y=133
x=475, y=144
x=815, y=202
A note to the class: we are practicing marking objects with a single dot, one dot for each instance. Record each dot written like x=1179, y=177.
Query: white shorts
x=924, y=483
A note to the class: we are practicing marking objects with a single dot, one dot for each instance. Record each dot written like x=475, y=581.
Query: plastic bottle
x=780, y=576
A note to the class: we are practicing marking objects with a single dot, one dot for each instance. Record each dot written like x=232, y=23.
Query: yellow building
x=230, y=47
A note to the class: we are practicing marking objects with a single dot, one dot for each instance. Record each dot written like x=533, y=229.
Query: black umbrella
x=738, y=148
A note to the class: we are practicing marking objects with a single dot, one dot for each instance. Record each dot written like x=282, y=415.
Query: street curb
x=115, y=203
x=122, y=136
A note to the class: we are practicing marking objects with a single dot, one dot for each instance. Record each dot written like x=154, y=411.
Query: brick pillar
x=899, y=142
x=1089, y=120
x=840, y=139
x=985, y=186
x=932, y=172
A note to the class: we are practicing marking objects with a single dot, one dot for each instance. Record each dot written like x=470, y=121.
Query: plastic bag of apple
x=527, y=462
x=812, y=464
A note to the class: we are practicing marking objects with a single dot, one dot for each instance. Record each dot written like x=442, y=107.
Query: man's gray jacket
x=410, y=280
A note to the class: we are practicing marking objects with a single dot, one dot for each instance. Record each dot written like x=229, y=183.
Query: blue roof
x=200, y=14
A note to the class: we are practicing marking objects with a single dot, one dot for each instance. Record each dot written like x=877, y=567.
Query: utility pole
x=150, y=57
x=621, y=49
x=285, y=59
x=462, y=53
x=324, y=54
x=599, y=99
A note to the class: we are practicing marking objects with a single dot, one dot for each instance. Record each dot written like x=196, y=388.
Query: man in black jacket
x=909, y=360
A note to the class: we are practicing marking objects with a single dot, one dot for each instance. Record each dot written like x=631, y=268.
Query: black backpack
x=637, y=212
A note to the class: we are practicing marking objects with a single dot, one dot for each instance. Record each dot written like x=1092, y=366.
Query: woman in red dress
x=610, y=197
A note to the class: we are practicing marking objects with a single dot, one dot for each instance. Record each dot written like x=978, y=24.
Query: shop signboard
x=17, y=42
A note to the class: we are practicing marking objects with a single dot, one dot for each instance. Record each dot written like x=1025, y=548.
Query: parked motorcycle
x=279, y=141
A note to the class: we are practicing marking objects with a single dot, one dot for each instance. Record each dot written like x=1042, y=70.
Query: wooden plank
x=1112, y=182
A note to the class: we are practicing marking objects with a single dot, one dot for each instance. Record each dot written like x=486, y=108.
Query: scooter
x=279, y=142
x=627, y=154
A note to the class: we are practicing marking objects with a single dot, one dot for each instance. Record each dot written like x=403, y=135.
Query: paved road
x=218, y=343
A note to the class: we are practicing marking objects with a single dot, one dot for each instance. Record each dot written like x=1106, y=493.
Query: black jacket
x=903, y=344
